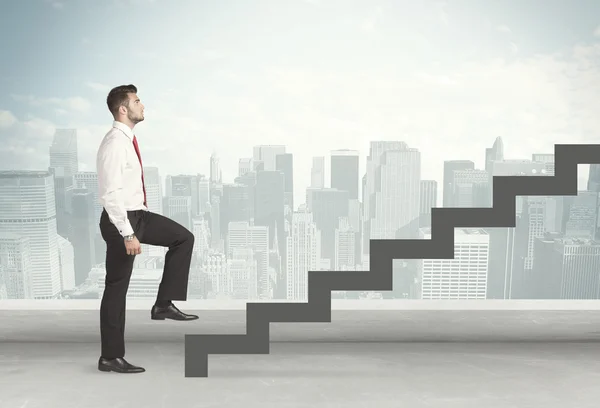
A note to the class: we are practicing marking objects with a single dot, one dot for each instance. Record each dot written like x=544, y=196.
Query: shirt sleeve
x=110, y=165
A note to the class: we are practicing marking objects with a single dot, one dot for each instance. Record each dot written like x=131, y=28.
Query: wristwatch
x=129, y=237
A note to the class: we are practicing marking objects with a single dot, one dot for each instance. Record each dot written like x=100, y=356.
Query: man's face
x=135, y=109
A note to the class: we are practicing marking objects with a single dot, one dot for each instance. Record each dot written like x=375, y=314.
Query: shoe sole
x=108, y=369
x=177, y=320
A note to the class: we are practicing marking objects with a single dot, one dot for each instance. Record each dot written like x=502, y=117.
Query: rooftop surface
x=420, y=354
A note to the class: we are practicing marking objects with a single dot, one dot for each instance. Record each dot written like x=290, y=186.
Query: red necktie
x=137, y=151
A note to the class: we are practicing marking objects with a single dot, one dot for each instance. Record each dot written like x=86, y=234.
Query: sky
x=315, y=75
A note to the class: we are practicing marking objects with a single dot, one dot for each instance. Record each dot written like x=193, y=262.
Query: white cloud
x=316, y=103
x=532, y=103
x=40, y=126
x=25, y=144
x=7, y=119
x=98, y=87
x=74, y=104
x=89, y=137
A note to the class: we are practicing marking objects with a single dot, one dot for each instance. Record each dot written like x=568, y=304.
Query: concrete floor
x=374, y=358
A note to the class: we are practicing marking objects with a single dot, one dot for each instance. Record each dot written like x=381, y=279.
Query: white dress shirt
x=119, y=177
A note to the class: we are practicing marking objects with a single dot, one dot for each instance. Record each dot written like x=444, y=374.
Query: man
x=125, y=223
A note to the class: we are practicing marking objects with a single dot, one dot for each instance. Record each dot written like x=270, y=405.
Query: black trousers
x=153, y=229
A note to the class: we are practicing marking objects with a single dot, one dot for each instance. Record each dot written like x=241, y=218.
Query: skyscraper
x=344, y=171
x=89, y=181
x=63, y=151
x=266, y=154
x=244, y=166
x=547, y=159
x=317, y=172
x=64, y=166
x=464, y=276
x=245, y=235
x=372, y=186
x=285, y=164
x=242, y=269
x=66, y=262
x=565, y=268
x=269, y=204
x=327, y=206
x=153, y=186
x=428, y=200
x=179, y=209
x=345, y=246
x=594, y=178
x=581, y=214
x=236, y=205
x=84, y=232
x=15, y=265
x=494, y=153
x=303, y=254
x=185, y=185
x=450, y=166
x=28, y=209
x=470, y=188
x=396, y=197
x=215, y=169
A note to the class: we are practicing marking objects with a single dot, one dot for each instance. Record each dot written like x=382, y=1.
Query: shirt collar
x=123, y=128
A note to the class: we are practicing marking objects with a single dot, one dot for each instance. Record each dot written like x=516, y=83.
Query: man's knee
x=189, y=238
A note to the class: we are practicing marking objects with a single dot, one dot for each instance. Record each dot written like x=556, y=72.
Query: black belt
x=134, y=212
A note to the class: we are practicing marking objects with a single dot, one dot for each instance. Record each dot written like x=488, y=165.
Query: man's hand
x=133, y=246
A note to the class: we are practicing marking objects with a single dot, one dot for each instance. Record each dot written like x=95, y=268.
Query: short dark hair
x=119, y=96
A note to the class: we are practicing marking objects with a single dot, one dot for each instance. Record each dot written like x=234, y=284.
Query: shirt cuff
x=126, y=229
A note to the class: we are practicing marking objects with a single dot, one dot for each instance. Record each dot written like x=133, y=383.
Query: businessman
x=125, y=223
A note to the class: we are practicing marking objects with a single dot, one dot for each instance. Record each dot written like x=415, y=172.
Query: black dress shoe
x=118, y=365
x=170, y=312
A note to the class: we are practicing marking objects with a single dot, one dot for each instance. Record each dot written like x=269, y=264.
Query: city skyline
x=252, y=245
x=300, y=191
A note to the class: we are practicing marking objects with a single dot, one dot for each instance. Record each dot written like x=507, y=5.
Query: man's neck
x=127, y=123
